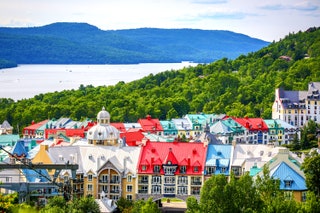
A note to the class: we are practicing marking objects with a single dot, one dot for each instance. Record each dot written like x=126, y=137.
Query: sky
x=269, y=20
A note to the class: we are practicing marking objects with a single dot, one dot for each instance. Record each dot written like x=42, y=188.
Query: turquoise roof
x=219, y=156
x=9, y=140
x=284, y=173
x=168, y=126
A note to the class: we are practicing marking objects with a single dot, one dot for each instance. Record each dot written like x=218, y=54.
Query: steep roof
x=219, y=156
x=252, y=124
x=180, y=153
x=149, y=124
x=284, y=173
x=19, y=149
x=36, y=125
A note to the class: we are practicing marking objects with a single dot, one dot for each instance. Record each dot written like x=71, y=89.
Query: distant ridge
x=82, y=43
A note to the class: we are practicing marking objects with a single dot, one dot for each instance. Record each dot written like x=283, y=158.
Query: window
x=129, y=188
x=211, y=170
x=129, y=197
x=144, y=168
x=169, y=170
x=223, y=169
x=143, y=189
x=156, y=169
x=304, y=196
x=182, y=190
x=182, y=180
x=90, y=187
x=196, y=169
x=104, y=179
x=156, y=179
x=169, y=189
x=288, y=183
x=89, y=177
x=156, y=189
x=115, y=179
x=129, y=178
x=183, y=169
x=170, y=180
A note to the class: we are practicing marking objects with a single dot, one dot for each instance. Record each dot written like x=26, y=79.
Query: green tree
x=84, y=205
x=311, y=169
x=192, y=205
x=125, y=205
x=142, y=206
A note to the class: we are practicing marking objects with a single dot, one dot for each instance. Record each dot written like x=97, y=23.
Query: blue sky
x=268, y=20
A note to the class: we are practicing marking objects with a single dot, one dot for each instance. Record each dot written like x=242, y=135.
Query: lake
x=26, y=81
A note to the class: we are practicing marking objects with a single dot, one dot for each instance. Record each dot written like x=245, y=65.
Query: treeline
x=241, y=87
x=81, y=43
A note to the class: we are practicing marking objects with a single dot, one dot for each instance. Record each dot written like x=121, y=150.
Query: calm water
x=26, y=81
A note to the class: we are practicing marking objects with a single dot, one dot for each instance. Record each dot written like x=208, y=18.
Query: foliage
x=311, y=169
x=7, y=202
x=241, y=87
x=84, y=205
x=125, y=205
x=142, y=206
x=81, y=43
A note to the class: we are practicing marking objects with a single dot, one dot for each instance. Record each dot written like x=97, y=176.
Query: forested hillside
x=80, y=43
x=241, y=87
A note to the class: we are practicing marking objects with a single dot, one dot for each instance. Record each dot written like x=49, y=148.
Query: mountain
x=241, y=87
x=81, y=43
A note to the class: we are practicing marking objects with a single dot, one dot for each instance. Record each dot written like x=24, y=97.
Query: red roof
x=180, y=153
x=151, y=125
x=252, y=124
x=35, y=126
x=66, y=132
x=132, y=137
x=119, y=126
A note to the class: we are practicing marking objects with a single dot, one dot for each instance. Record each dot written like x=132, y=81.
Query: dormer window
x=196, y=169
x=156, y=168
x=288, y=183
x=144, y=168
x=183, y=169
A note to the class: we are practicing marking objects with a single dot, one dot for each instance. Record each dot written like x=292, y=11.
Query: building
x=170, y=170
x=5, y=128
x=256, y=130
x=285, y=167
x=107, y=168
x=297, y=107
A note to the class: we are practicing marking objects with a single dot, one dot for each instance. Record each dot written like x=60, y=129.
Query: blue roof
x=37, y=175
x=19, y=149
x=219, y=156
x=284, y=173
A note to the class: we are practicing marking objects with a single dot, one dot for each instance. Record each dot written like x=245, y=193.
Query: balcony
x=196, y=183
x=143, y=191
x=115, y=181
x=143, y=182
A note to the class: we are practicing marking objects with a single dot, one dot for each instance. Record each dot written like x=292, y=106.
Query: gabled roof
x=168, y=126
x=284, y=173
x=180, y=153
x=182, y=124
x=19, y=149
x=219, y=156
x=36, y=126
x=132, y=137
x=119, y=126
x=170, y=158
x=6, y=125
x=150, y=124
x=252, y=124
